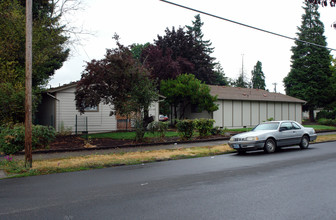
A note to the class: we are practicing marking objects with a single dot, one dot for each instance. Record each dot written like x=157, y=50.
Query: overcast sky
x=140, y=21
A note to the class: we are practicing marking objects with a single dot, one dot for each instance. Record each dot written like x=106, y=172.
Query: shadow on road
x=278, y=151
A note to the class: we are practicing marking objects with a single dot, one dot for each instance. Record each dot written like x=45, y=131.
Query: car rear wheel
x=270, y=146
x=304, y=142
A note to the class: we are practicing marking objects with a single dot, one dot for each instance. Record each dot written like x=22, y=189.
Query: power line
x=245, y=25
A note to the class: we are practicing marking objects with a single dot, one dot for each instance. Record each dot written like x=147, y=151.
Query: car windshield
x=266, y=126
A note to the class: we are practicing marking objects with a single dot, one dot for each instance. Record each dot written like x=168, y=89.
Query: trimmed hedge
x=326, y=121
x=204, y=126
x=185, y=128
x=12, y=139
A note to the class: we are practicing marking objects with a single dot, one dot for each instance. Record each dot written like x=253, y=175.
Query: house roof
x=225, y=93
x=62, y=87
x=234, y=93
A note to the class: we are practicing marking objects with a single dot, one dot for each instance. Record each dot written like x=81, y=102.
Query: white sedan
x=271, y=135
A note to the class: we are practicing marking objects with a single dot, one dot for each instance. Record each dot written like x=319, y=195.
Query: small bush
x=204, y=126
x=325, y=121
x=326, y=115
x=185, y=128
x=216, y=131
x=12, y=139
x=158, y=127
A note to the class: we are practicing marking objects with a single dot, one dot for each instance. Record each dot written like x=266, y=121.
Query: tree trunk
x=311, y=115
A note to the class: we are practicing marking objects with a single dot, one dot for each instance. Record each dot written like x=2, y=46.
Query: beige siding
x=263, y=111
x=233, y=114
x=270, y=110
x=285, y=109
x=278, y=111
x=228, y=114
x=246, y=113
x=98, y=121
x=298, y=111
x=237, y=113
x=218, y=115
x=255, y=113
x=291, y=111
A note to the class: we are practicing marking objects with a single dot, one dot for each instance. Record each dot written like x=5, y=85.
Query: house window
x=91, y=109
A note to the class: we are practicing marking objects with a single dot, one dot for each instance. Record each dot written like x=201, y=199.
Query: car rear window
x=267, y=126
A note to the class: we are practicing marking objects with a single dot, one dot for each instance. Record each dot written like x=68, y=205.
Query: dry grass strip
x=323, y=138
x=129, y=158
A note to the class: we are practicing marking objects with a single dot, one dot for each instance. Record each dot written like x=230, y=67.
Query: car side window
x=286, y=126
x=296, y=126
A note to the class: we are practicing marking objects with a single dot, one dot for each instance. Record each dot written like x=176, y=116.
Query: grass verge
x=15, y=168
x=321, y=127
x=48, y=166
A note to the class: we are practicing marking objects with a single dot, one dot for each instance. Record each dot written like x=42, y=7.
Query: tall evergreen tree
x=204, y=63
x=258, y=77
x=240, y=82
x=309, y=77
x=196, y=32
x=221, y=79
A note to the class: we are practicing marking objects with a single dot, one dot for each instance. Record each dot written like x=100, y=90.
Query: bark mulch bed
x=76, y=142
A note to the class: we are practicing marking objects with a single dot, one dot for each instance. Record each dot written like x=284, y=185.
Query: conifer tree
x=258, y=77
x=309, y=77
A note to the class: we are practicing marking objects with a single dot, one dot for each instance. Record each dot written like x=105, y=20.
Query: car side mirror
x=282, y=129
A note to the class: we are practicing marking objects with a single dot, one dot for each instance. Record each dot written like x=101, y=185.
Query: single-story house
x=240, y=107
x=58, y=109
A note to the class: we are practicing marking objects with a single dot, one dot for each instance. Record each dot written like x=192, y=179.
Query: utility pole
x=275, y=84
x=243, y=75
x=28, y=91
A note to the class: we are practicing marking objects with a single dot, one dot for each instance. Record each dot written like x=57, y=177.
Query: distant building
x=239, y=107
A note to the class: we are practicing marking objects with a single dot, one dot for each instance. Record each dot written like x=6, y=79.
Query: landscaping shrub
x=185, y=128
x=216, y=130
x=324, y=114
x=326, y=121
x=158, y=127
x=204, y=126
x=42, y=136
x=12, y=139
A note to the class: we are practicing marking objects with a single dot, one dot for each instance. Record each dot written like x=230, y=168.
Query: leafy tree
x=185, y=91
x=49, y=41
x=49, y=50
x=220, y=79
x=332, y=104
x=309, y=77
x=137, y=50
x=240, y=82
x=324, y=3
x=258, y=77
x=162, y=64
x=179, y=52
x=118, y=80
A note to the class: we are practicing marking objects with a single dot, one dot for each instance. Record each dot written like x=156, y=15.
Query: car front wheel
x=269, y=146
x=304, y=142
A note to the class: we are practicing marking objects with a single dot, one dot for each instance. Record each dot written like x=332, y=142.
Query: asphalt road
x=290, y=184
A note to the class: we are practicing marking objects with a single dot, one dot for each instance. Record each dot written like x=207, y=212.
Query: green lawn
x=321, y=127
x=131, y=135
